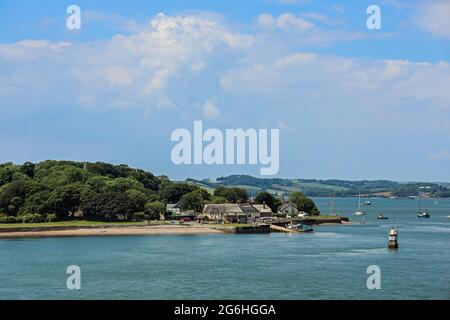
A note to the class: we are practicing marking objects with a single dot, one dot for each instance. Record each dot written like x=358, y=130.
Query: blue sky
x=350, y=103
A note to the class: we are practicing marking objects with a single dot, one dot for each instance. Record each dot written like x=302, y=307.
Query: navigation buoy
x=393, y=235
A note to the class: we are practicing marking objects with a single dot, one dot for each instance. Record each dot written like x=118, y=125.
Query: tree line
x=60, y=190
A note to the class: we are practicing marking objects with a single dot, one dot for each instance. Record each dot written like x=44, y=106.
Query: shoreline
x=111, y=231
x=132, y=230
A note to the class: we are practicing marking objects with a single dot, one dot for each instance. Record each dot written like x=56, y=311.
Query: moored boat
x=382, y=217
x=300, y=227
x=359, y=211
x=424, y=214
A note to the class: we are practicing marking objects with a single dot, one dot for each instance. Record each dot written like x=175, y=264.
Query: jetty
x=275, y=228
x=310, y=220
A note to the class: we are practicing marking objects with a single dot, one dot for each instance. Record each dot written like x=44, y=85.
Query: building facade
x=236, y=212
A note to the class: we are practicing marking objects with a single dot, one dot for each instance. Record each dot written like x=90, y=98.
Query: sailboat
x=359, y=211
x=423, y=214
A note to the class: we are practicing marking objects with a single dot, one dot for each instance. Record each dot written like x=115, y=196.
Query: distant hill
x=326, y=188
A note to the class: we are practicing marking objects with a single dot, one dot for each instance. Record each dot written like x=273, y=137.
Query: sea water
x=330, y=263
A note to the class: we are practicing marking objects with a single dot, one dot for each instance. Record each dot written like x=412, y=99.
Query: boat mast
x=359, y=200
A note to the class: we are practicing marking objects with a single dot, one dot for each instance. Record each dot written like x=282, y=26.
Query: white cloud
x=288, y=21
x=210, y=111
x=118, y=76
x=179, y=62
x=285, y=22
x=347, y=92
x=29, y=50
x=266, y=21
x=434, y=17
x=139, y=70
x=316, y=17
x=394, y=67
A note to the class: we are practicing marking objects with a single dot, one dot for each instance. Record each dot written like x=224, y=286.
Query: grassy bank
x=75, y=223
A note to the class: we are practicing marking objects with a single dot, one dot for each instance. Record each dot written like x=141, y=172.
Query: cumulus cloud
x=434, y=17
x=142, y=69
x=210, y=111
x=179, y=62
x=285, y=21
x=377, y=93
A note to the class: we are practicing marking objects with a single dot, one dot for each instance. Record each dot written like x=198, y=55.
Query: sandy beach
x=112, y=231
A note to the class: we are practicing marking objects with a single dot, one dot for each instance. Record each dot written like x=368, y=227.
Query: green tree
x=99, y=183
x=20, y=176
x=217, y=199
x=61, y=175
x=12, y=197
x=28, y=169
x=109, y=206
x=36, y=203
x=153, y=197
x=268, y=199
x=138, y=198
x=124, y=184
x=6, y=174
x=303, y=203
x=233, y=195
x=153, y=210
x=172, y=192
x=148, y=180
x=65, y=200
x=204, y=193
x=192, y=201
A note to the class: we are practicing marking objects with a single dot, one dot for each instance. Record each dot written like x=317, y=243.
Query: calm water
x=329, y=264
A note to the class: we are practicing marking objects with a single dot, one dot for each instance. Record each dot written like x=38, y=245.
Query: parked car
x=303, y=215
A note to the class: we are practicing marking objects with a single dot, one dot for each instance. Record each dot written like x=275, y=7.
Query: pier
x=275, y=228
x=311, y=220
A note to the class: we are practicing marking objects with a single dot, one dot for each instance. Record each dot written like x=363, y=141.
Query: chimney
x=264, y=204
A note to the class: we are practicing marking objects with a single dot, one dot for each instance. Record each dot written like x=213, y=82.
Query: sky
x=350, y=103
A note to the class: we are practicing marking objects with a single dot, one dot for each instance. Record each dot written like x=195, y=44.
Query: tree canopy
x=268, y=199
x=59, y=190
x=101, y=191
x=303, y=203
x=233, y=195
